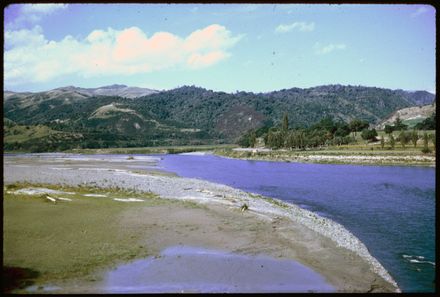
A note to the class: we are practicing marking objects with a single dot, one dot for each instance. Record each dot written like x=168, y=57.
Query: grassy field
x=19, y=133
x=43, y=240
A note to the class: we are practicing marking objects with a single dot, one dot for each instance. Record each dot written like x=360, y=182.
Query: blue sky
x=224, y=47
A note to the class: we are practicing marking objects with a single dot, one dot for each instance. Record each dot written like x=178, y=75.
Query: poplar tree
x=392, y=141
x=403, y=138
x=285, y=122
x=425, y=148
x=425, y=140
x=414, y=137
x=252, y=139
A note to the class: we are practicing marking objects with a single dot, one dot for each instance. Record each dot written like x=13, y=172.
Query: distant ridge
x=120, y=115
x=112, y=90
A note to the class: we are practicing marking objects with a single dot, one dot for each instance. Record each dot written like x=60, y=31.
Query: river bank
x=354, y=154
x=268, y=226
x=356, y=157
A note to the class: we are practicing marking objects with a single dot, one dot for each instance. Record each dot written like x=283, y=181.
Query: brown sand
x=242, y=232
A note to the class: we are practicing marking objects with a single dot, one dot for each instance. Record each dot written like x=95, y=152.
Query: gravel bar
x=198, y=191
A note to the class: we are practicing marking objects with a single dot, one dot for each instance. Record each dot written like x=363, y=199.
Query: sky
x=222, y=47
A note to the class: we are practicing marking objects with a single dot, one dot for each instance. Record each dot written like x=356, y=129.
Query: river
x=389, y=208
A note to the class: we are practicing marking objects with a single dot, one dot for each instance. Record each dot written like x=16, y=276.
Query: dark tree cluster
x=325, y=132
x=427, y=124
x=369, y=135
x=397, y=126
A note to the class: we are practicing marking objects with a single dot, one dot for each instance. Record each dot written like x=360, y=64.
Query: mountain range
x=111, y=90
x=118, y=115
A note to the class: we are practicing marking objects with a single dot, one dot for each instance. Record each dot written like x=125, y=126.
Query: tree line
x=329, y=132
x=325, y=132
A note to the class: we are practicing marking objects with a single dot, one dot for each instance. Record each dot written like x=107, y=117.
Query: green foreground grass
x=70, y=239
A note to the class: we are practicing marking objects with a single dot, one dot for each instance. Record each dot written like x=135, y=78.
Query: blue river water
x=199, y=270
x=391, y=209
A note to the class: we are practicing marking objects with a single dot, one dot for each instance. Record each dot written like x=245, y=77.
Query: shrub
x=369, y=135
x=426, y=150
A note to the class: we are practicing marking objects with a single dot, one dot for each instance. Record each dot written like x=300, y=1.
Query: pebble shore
x=196, y=190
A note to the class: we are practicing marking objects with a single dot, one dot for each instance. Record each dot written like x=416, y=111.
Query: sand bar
x=264, y=229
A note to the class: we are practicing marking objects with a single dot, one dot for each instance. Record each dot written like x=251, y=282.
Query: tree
x=248, y=139
x=427, y=124
x=414, y=137
x=432, y=136
x=266, y=139
x=382, y=141
x=389, y=129
x=342, y=130
x=392, y=141
x=425, y=139
x=280, y=141
x=291, y=140
x=399, y=125
x=425, y=148
x=275, y=140
x=268, y=142
x=252, y=139
x=403, y=138
x=369, y=135
x=357, y=125
x=285, y=122
x=301, y=139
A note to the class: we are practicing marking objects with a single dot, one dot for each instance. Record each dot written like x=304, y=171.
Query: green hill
x=193, y=115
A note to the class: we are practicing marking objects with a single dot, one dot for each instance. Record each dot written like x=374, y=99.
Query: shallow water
x=391, y=209
x=195, y=269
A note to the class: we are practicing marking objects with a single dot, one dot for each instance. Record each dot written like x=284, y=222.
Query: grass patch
x=191, y=204
x=278, y=203
x=255, y=195
x=154, y=172
x=71, y=238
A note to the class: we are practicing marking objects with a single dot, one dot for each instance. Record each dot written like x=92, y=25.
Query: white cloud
x=42, y=8
x=198, y=60
x=33, y=13
x=325, y=49
x=300, y=26
x=30, y=57
x=419, y=11
x=22, y=37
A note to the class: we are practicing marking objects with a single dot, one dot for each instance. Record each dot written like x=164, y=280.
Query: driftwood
x=54, y=200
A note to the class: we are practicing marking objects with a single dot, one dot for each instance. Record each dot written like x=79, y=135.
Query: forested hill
x=194, y=115
x=231, y=114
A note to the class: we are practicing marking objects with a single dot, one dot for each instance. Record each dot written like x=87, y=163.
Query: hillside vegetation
x=410, y=116
x=186, y=116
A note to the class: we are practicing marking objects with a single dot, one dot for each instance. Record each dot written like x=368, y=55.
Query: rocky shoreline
x=199, y=191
